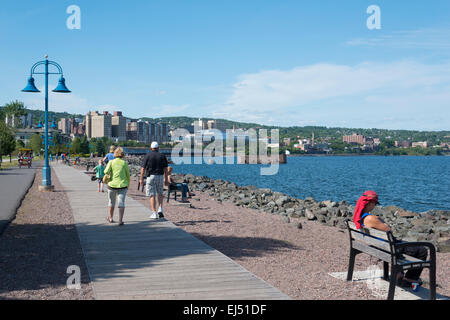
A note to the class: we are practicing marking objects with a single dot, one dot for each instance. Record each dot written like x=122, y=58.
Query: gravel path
x=38, y=246
x=296, y=261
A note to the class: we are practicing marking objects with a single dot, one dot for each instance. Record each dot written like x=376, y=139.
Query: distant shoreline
x=370, y=154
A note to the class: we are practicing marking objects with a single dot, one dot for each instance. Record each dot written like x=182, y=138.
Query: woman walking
x=119, y=174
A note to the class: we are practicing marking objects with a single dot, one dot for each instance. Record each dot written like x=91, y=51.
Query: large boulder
x=309, y=215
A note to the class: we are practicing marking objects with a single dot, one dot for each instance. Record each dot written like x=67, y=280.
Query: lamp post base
x=46, y=188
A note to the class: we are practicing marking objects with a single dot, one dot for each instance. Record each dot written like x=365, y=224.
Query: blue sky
x=273, y=62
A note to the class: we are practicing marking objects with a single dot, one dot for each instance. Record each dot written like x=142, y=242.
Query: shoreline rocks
x=431, y=226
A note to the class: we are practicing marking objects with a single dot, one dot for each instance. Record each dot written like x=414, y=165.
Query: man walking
x=155, y=168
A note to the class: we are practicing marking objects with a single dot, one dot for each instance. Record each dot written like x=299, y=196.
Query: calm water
x=414, y=183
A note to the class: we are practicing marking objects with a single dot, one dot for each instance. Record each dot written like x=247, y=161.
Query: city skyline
x=284, y=64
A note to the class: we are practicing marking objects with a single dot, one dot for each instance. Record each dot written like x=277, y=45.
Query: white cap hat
x=154, y=145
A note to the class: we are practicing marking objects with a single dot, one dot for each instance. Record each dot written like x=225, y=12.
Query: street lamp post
x=61, y=88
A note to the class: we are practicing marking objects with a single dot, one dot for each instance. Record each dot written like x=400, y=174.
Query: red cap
x=371, y=196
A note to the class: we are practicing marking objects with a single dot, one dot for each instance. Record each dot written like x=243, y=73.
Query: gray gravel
x=38, y=246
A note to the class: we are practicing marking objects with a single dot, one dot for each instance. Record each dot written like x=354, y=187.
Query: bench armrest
x=429, y=245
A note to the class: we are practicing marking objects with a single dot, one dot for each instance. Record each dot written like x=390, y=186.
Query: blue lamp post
x=61, y=88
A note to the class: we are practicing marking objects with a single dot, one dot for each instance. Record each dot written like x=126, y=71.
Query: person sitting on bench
x=183, y=187
x=363, y=218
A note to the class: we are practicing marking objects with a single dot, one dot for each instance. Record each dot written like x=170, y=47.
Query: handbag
x=106, y=178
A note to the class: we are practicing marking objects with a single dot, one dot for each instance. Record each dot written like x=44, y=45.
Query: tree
x=84, y=145
x=36, y=143
x=7, y=141
x=14, y=109
x=76, y=146
x=19, y=144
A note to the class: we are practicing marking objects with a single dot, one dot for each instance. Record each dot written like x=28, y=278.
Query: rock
x=406, y=214
x=444, y=246
x=290, y=212
x=286, y=219
x=325, y=203
x=309, y=215
x=281, y=201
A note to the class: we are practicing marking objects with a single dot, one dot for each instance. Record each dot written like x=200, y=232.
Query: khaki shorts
x=154, y=185
x=119, y=194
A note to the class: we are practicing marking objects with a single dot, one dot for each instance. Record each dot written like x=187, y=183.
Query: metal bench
x=171, y=189
x=383, y=246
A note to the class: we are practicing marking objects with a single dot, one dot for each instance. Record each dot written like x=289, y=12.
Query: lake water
x=414, y=183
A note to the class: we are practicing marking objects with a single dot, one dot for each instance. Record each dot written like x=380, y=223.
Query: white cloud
x=329, y=93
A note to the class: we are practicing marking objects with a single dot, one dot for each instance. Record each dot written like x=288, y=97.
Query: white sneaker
x=160, y=212
x=154, y=215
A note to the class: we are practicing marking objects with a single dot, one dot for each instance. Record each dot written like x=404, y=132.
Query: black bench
x=171, y=189
x=383, y=246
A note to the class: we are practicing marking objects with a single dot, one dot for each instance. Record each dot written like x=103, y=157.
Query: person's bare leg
x=111, y=213
x=121, y=212
x=160, y=200
x=153, y=203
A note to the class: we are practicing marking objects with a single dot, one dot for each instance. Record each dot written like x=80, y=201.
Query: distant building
x=217, y=124
x=354, y=139
x=420, y=144
x=131, y=128
x=403, y=144
x=119, y=126
x=98, y=125
x=19, y=122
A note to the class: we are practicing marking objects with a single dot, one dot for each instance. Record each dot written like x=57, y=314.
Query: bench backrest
x=371, y=241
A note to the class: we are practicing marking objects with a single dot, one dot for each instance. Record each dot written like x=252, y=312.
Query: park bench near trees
x=382, y=245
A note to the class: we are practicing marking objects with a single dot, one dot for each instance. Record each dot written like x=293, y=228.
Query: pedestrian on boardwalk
x=109, y=156
x=183, y=186
x=364, y=218
x=99, y=174
x=154, y=167
x=119, y=173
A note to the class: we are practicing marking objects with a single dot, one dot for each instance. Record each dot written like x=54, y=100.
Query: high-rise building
x=98, y=125
x=217, y=124
x=132, y=130
x=119, y=126
x=64, y=125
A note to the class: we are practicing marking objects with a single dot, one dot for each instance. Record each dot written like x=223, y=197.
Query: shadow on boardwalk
x=32, y=256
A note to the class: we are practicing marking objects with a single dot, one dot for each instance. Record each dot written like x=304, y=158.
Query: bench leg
x=351, y=264
x=392, y=283
x=433, y=282
x=385, y=270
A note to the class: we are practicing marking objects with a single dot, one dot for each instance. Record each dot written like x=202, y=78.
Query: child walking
x=99, y=174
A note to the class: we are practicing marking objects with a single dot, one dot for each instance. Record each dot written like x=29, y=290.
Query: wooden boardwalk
x=151, y=259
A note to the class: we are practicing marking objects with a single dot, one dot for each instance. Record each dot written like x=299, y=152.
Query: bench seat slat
x=370, y=240
x=372, y=251
x=371, y=231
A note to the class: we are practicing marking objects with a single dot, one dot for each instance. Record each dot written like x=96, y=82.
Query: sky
x=283, y=63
